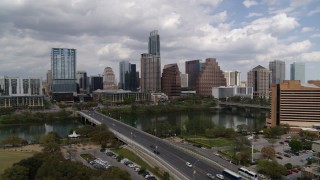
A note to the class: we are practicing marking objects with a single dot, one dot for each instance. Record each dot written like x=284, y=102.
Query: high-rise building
x=124, y=67
x=170, y=81
x=154, y=43
x=48, y=83
x=63, y=67
x=193, y=70
x=297, y=72
x=82, y=82
x=295, y=104
x=131, y=79
x=109, y=80
x=232, y=78
x=259, y=78
x=96, y=82
x=150, y=73
x=278, y=71
x=184, y=80
x=210, y=76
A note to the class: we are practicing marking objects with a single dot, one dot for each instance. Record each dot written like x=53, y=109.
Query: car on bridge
x=189, y=164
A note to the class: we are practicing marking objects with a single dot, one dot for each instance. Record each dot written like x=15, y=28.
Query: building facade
x=193, y=70
x=154, y=43
x=150, y=73
x=109, y=80
x=278, y=71
x=259, y=78
x=171, y=81
x=95, y=83
x=63, y=68
x=297, y=72
x=131, y=82
x=226, y=92
x=124, y=67
x=232, y=78
x=20, y=92
x=184, y=80
x=210, y=76
x=48, y=83
x=294, y=104
x=82, y=82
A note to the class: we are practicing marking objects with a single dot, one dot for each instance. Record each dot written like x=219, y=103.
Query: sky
x=240, y=34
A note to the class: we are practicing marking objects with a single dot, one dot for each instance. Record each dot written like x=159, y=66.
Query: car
x=156, y=151
x=220, y=176
x=210, y=176
x=279, y=153
x=295, y=170
x=281, y=142
x=289, y=172
x=152, y=146
x=279, y=157
x=131, y=165
x=287, y=155
x=288, y=137
x=189, y=164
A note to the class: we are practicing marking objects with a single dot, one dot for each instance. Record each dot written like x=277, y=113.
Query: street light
x=194, y=171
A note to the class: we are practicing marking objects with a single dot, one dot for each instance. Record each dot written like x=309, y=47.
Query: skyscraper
x=210, y=76
x=170, y=81
x=63, y=68
x=82, y=82
x=193, y=70
x=278, y=71
x=297, y=72
x=232, y=78
x=96, y=82
x=109, y=80
x=154, y=43
x=150, y=73
x=131, y=76
x=259, y=78
x=124, y=67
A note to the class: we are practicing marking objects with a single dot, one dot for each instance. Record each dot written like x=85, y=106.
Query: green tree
x=271, y=168
x=242, y=128
x=14, y=141
x=16, y=172
x=268, y=152
x=165, y=176
x=295, y=145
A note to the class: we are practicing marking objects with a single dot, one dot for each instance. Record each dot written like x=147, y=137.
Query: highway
x=174, y=156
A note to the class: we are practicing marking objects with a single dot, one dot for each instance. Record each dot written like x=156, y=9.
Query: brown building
x=259, y=78
x=210, y=76
x=294, y=104
x=171, y=81
x=150, y=73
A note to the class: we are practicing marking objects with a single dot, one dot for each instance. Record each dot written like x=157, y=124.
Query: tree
x=295, y=145
x=242, y=128
x=14, y=141
x=166, y=176
x=271, y=168
x=268, y=152
x=16, y=172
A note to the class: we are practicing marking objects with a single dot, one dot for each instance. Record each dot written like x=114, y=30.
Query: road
x=174, y=156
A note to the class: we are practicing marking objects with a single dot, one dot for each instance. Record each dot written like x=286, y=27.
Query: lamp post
x=194, y=171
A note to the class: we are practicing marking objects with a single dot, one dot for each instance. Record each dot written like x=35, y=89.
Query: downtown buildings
x=297, y=72
x=278, y=71
x=259, y=78
x=171, y=81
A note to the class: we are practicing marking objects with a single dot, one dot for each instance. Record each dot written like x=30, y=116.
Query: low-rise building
x=114, y=97
x=226, y=92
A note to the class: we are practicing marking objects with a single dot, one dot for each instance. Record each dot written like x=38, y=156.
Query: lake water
x=175, y=122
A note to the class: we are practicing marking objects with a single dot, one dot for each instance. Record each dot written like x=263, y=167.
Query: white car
x=220, y=176
x=189, y=164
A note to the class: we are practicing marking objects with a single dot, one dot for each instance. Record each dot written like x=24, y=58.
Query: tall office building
x=154, y=43
x=184, y=80
x=96, y=82
x=193, y=70
x=124, y=67
x=294, y=104
x=278, y=71
x=82, y=82
x=232, y=78
x=63, y=68
x=131, y=82
x=150, y=73
x=297, y=72
x=109, y=80
x=170, y=81
x=210, y=76
x=259, y=78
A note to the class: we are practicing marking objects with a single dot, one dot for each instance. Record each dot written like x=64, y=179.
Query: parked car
x=210, y=176
x=156, y=151
x=295, y=170
x=279, y=157
x=287, y=155
x=220, y=176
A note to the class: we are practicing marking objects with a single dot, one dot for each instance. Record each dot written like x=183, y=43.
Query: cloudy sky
x=241, y=34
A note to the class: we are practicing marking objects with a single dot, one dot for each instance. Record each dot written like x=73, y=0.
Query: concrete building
x=20, y=92
x=210, y=76
x=297, y=72
x=184, y=80
x=63, y=67
x=313, y=171
x=278, y=71
x=232, y=78
x=150, y=73
x=259, y=78
x=109, y=80
x=154, y=43
x=193, y=70
x=95, y=83
x=82, y=82
x=294, y=104
x=226, y=92
x=171, y=81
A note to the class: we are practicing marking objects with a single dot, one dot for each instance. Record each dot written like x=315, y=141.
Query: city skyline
x=239, y=34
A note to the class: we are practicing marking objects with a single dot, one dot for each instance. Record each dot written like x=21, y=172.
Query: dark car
x=156, y=151
x=152, y=146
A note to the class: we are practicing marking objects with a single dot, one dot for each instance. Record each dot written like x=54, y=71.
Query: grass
x=208, y=142
x=134, y=158
x=88, y=157
x=8, y=158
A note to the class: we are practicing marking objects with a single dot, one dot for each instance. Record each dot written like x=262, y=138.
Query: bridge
x=171, y=158
x=232, y=104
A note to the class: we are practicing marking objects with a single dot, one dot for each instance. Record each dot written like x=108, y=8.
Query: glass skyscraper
x=297, y=72
x=63, y=68
x=154, y=43
x=278, y=71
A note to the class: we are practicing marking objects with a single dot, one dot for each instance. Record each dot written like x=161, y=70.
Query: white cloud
x=307, y=29
x=249, y=3
x=316, y=36
x=254, y=15
x=114, y=51
x=315, y=11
